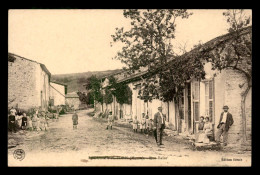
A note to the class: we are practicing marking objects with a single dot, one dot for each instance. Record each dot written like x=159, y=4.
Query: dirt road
x=92, y=145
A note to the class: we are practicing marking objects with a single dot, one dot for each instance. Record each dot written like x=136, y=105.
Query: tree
x=235, y=54
x=94, y=86
x=85, y=98
x=149, y=44
x=121, y=91
x=107, y=97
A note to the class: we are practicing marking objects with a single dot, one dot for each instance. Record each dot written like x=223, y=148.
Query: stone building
x=72, y=99
x=200, y=98
x=57, y=93
x=28, y=83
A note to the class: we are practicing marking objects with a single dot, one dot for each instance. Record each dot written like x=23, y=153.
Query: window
x=196, y=97
x=209, y=99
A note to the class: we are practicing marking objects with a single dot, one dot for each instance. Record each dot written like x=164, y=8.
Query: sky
x=74, y=41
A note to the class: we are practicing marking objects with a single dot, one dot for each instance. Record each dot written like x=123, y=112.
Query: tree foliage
x=148, y=42
x=122, y=92
x=94, y=86
x=237, y=52
x=107, y=96
x=86, y=98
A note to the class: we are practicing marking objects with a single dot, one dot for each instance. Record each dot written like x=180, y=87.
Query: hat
x=225, y=107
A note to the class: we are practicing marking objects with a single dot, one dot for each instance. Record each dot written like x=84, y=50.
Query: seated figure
x=205, y=135
x=208, y=129
x=200, y=135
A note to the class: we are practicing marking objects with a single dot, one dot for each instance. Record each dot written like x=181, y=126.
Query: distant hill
x=75, y=81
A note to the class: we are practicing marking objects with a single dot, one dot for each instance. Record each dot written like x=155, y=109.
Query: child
x=38, y=123
x=43, y=121
x=75, y=120
x=142, y=125
x=110, y=120
x=135, y=124
x=150, y=126
x=24, y=121
x=19, y=119
x=34, y=120
x=147, y=124
x=29, y=123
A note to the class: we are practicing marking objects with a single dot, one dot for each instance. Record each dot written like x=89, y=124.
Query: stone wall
x=22, y=84
x=234, y=79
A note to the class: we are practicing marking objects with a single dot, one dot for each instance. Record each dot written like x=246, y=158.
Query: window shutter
x=196, y=97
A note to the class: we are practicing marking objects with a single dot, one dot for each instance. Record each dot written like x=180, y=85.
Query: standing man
x=226, y=120
x=159, y=125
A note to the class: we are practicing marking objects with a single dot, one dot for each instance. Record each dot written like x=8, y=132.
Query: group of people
x=35, y=120
x=145, y=124
x=153, y=126
x=205, y=129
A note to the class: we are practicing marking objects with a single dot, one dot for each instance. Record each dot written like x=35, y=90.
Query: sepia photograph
x=129, y=88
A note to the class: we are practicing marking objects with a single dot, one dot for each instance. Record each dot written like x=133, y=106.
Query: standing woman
x=208, y=129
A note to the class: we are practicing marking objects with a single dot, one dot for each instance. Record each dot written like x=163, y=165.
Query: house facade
x=200, y=98
x=57, y=93
x=72, y=99
x=28, y=83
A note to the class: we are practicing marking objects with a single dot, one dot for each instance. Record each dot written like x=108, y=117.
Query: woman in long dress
x=200, y=135
x=208, y=129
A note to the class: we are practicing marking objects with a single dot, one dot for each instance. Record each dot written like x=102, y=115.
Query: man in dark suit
x=225, y=121
x=159, y=125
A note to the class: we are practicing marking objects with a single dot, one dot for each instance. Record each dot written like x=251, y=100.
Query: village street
x=63, y=146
